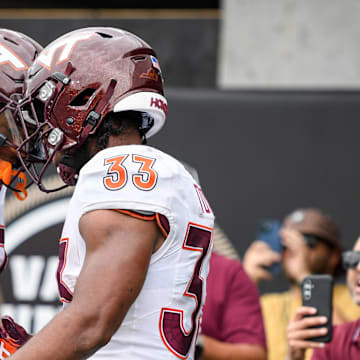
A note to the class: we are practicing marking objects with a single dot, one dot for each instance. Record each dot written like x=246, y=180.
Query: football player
x=137, y=238
x=17, y=52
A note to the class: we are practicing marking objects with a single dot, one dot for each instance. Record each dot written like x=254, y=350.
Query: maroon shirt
x=232, y=311
x=345, y=344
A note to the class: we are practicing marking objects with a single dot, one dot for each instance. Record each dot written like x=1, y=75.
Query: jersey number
x=117, y=175
x=173, y=333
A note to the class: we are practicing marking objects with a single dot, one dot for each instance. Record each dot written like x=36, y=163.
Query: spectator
x=232, y=323
x=311, y=245
x=346, y=337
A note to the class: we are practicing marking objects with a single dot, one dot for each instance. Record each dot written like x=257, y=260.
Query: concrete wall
x=290, y=43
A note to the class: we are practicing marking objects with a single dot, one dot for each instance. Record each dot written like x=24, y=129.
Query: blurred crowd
x=276, y=325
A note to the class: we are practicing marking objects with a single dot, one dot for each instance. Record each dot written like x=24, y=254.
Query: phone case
x=317, y=292
x=269, y=233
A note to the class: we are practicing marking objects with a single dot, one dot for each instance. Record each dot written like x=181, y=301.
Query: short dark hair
x=115, y=124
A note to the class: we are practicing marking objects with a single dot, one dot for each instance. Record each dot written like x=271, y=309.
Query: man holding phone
x=345, y=344
x=310, y=241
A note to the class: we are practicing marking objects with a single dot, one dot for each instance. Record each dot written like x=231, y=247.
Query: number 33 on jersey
x=117, y=175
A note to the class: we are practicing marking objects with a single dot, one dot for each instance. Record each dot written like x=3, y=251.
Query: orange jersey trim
x=137, y=215
x=157, y=217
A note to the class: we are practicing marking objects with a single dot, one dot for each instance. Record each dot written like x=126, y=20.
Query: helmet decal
x=151, y=74
x=9, y=57
x=159, y=103
x=66, y=44
x=155, y=62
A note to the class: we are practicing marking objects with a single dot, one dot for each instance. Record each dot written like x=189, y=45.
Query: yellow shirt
x=279, y=308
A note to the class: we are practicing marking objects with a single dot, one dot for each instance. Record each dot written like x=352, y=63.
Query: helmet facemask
x=40, y=145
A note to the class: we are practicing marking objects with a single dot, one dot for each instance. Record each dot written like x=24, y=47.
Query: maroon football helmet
x=17, y=53
x=81, y=77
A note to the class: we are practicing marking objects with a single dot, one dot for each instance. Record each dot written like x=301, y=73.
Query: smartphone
x=317, y=292
x=268, y=231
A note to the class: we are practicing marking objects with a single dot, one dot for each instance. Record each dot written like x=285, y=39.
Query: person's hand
x=295, y=254
x=299, y=331
x=257, y=257
x=12, y=337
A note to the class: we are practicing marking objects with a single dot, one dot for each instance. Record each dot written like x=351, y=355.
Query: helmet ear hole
x=82, y=98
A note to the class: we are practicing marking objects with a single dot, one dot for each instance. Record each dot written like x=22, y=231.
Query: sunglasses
x=311, y=240
x=350, y=259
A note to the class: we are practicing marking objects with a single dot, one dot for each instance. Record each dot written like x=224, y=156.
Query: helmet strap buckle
x=3, y=139
x=92, y=118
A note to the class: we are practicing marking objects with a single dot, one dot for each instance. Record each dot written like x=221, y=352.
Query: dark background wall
x=185, y=42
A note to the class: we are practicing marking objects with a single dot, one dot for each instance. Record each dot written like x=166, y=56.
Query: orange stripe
x=162, y=229
x=136, y=214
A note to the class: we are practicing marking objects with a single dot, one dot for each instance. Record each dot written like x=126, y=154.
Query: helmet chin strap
x=70, y=165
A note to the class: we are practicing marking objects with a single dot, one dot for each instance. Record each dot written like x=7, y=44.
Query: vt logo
x=8, y=57
x=66, y=45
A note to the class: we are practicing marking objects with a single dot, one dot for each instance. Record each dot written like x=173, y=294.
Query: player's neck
x=129, y=138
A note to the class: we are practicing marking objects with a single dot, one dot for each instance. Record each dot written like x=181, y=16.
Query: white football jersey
x=163, y=321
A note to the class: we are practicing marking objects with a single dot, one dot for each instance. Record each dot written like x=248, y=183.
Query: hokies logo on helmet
x=9, y=57
x=65, y=46
x=159, y=104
